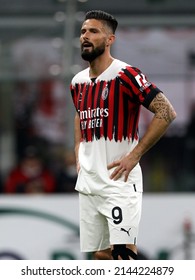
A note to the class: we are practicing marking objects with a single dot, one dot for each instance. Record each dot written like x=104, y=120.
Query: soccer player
x=108, y=96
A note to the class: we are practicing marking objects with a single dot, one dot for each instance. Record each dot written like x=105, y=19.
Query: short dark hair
x=101, y=15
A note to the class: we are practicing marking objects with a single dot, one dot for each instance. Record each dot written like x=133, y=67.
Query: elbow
x=173, y=116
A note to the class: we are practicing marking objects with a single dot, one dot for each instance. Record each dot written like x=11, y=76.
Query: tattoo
x=162, y=108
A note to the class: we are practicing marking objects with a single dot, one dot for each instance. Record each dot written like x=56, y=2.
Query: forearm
x=164, y=114
x=154, y=132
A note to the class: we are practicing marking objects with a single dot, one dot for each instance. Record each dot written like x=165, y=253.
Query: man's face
x=93, y=39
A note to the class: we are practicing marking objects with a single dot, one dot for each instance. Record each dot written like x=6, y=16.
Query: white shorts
x=110, y=220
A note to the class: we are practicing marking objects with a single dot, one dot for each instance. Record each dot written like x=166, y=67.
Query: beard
x=91, y=55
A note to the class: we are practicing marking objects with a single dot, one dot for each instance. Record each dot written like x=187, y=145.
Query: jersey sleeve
x=138, y=86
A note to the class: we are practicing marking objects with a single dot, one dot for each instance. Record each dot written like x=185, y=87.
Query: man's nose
x=85, y=35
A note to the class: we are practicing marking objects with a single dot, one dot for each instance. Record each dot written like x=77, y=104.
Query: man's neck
x=99, y=65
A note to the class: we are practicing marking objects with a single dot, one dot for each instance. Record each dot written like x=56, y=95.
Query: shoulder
x=80, y=77
x=125, y=68
x=118, y=65
x=114, y=70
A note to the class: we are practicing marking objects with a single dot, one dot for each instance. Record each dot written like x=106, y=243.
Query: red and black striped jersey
x=109, y=106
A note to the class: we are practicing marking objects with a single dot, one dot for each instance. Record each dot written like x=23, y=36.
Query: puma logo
x=127, y=231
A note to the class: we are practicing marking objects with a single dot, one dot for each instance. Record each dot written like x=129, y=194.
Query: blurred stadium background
x=39, y=54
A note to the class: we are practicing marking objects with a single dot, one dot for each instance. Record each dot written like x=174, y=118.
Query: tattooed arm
x=162, y=108
x=164, y=114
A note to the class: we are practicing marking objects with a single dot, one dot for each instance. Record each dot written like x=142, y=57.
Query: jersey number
x=117, y=215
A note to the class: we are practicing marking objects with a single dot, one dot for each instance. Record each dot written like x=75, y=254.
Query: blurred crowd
x=43, y=163
x=170, y=165
x=32, y=174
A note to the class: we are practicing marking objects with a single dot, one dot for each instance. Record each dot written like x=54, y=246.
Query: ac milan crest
x=105, y=93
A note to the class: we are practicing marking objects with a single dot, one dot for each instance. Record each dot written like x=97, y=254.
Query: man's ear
x=110, y=40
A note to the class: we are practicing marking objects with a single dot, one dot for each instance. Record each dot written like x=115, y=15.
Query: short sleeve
x=138, y=86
